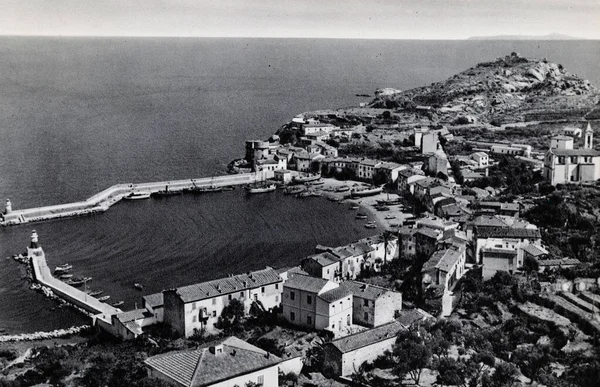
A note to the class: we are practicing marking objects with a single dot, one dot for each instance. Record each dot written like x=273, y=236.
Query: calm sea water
x=78, y=115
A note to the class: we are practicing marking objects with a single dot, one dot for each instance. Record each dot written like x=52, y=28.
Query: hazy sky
x=394, y=19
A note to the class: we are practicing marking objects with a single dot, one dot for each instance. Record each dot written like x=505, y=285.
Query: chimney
x=216, y=349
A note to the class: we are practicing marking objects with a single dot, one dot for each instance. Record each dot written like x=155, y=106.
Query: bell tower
x=589, y=137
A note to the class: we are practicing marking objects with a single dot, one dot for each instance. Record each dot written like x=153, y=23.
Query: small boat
x=343, y=188
x=308, y=194
x=103, y=298
x=165, y=193
x=63, y=268
x=370, y=225
x=382, y=208
x=255, y=189
x=389, y=202
x=306, y=179
x=138, y=286
x=86, y=279
x=354, y=207
x=361, y=216
x=118, y=303
x=228, y=188
x=293, y=190
x=357, y=193
x=138, y=195
x=390, y=217
x=75, y=282
x=317, y=182
x=96, y=293
x=212, y=188
x=66, y=276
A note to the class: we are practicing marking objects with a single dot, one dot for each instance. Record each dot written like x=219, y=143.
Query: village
x=436, y=233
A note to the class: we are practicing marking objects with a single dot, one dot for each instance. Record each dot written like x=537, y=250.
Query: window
x=308, y=299
x=348, y=320
x=276, y=286
x=292, y=316
x=276, y=298
x=292, y=296
x=241, y=294
x=193, y=306
x=262, y=290
x=366, y=316
x=214, y=301
x=574, y=159
x=229, y=297
x=260, y=380
x=194, y=319
x=214, y=314
x=332, y=326
x=309, y=320
x=255, y=296
x=366, y=302
x=333, y=306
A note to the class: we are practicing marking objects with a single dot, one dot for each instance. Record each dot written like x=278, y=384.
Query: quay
x=103, y=200
x=43, y=276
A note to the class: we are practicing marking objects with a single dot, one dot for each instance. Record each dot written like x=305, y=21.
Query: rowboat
x=103, y=298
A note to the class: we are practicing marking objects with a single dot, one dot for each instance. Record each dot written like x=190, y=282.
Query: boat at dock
x=66, y=276
x=357, y=193
x=308, y=194
x=317, y=182
x=138, y=195
x=63, y=268
x=260, y=188
x=165, y=193
x=389, y=202
x=96, y=293
x=138, y=286
x=293, y=190
x=343, y=188
x=103, y=298
x=75, y=282
x=118, y=303
x=390, y=217
x=305, y=179
x=382, y=208
x=361, y=216
x=370, y=225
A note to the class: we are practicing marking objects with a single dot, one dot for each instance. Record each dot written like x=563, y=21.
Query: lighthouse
x=8, y=207
x=34, y=248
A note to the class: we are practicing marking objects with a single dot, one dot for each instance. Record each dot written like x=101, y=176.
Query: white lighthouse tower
x=8, y=209
x=34, y=249
x=589, y=137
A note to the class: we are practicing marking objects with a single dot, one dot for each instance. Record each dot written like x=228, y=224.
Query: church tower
x=589, y=137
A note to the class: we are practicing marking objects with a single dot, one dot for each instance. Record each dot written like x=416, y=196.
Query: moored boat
x=96, y=293
x=118, y=303
x=165, y=193
x=365, y=192
x=63, y=268
x=255, y=189
x=293, y=190
x=361, y=216
x=138, y=286
x=370, y=225
x=103, y=298
x=306, y=179
x=138, y=195
x=66, y=276
x=343, y=188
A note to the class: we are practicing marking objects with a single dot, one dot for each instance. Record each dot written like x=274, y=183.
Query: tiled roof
x=488, y=221
x=491, y=252
x=426, y=182
x=201, y=367
x=409, y=172
x=575, y=152
x=363, y=290
x=131, y=315
x=534, y=250
x=305, y=282
x=431, y=233
x=154, y=300
x=228, y=285
x=507, y=232
x=559, y=262
x=324, y=259
x=368, y=337
x=444, y=259
x=335, y=294
x=408, y=317
x=388, y=165
x=370, y=162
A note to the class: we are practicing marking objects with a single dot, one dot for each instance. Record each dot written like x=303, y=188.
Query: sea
x=78, y=115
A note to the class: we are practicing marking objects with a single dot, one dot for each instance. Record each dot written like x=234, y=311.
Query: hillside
x=509, y=89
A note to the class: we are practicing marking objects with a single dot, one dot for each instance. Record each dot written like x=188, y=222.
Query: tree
x=232, y=316
x=505, y=375
x=412, y=354
x=452, y=372
x=530, y=265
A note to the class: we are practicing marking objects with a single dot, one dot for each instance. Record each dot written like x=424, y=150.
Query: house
x=506, y=150
x=317, y=136
x=366, y=168
x=154, y=303
x=128, y=325
x=563, y=164
x=430, y=143
x=438, y=163
x=504, y=237
x=571, y=131
x=538, y=253
x=422, y=186
x=197, y=307
x=407, y=243
x=445, y=267
x=347, y=354
x=557, y=263
x=315, y=127
x=372, y=305
x=304, y=160
x=316, y=303
x=407, y=179
x=226, y=363
x=481, y=158
x=390, y=171
x=323, y=265
x=283, y=175
x=498, y=208
x=469, y=175
x=426, y=241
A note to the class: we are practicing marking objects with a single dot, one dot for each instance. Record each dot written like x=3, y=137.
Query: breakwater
x=43, y=335
x=103, y=200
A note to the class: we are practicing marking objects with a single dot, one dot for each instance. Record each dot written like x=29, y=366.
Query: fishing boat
x=138, y=195
x=357, y=193
x=118, y=303
x=306, y=179
x=293, y=190
x=66, y=276
x=138, y=286
x=308, y=194
x=165, y=193
x=256, y=188
x=343, y=188
x=361, y=216
x=390, y=217
x=228, y=188
x=75, y=282
x=317, y=182
x=63, y=268
x=370, y=225
x=96, y=293
x=103, y=298
x=382, y=208
x=389, y=202
x=354, y=207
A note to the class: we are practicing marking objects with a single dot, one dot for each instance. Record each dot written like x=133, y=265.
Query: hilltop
x=508, y=89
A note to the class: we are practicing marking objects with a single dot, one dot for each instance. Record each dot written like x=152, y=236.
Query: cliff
x=509, y=89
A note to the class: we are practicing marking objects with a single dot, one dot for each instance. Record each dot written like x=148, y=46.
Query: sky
x=358, y=19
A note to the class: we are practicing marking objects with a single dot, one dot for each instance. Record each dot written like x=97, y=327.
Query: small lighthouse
x=8, y=209
x=34, y=240
x=34, y=249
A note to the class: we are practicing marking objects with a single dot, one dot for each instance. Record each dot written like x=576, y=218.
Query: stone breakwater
x=43, y=335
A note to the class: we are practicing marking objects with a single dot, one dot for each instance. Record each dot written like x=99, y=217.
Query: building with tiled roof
x=347, y=354
x=154, y=303
x=564, y=263
x=192, y=308
x=514, y=238
x=316, y=303
x=372, y=305
x=367, y=168
x=227, y=363
x=323, y=265
x=445, y=267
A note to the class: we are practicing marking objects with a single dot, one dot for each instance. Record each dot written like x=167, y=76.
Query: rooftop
x=507, y=232
x=575, y=152
x=370, y=162
x=201, y=367
x=444, y=259
x=305, y=282
x=324, y=259
x=534, y=250
x=363, y=290
x=154, y=300
x=559, y=262
x=368, y=337
x=335, y=294
x=226, y=285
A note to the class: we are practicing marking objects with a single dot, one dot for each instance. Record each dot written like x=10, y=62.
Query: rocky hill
x=509, y=89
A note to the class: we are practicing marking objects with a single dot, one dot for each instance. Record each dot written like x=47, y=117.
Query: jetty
x=102, y=201
x=43, y=276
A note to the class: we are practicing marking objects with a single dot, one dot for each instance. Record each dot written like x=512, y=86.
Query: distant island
x=552, y=36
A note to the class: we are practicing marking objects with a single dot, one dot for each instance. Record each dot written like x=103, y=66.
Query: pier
x=103, y=200
x=43, y=276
